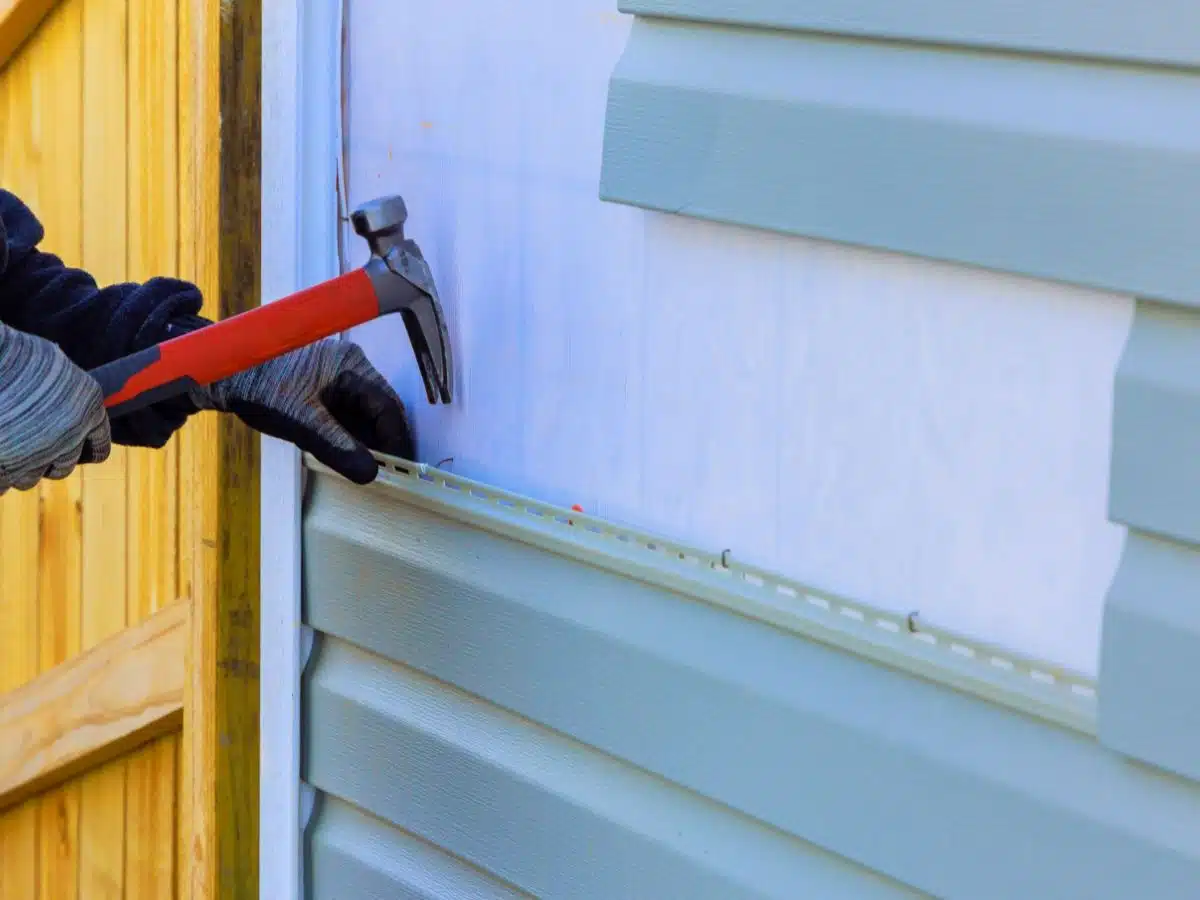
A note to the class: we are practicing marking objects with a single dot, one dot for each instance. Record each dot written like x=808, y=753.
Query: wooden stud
x=151, y=475
x=18, y=532
x=56, y=57
x=219, y=81
x=104, y=542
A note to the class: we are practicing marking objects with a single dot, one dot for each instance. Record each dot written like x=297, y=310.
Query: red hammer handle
x=238, y=343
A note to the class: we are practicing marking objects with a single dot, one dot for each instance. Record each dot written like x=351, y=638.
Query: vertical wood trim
x=104, y=542
x=219, y=84
x=284, y=24
x=151, y=476
x=153, y=242
x=20, y=638
x=57, y=113
x=198, y=145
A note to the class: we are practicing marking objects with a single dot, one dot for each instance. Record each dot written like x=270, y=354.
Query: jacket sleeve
x=93, y=325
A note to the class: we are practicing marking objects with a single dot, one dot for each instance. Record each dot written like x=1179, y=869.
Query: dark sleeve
x=93, y=325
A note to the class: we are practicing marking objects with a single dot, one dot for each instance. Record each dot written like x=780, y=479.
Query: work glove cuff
x=52, y=415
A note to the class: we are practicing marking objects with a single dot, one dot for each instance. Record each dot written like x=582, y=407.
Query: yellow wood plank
x=19, y=589
x=152, y=476
x=105, y=554
x=18, y=852
x=219, y=85
x=18, y=529
x=18, y=637
x=102, y=833
x=180, y=861
x=56, y=99
x=18, y=665
x=58, y=843
x=199, y=183
x=105, y=547
x=153, y=235
x=18, y=167
x=151, y=804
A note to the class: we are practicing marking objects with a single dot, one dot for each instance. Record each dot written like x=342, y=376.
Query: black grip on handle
x=113, y=376
x=154, y=395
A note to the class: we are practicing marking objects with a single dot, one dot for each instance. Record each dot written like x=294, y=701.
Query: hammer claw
x=427, y=334
x=404, y=284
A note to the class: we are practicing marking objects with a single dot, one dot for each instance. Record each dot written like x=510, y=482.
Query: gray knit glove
x=52, y=415
x=325, y=398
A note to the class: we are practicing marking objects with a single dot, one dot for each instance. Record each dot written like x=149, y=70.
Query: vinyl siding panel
x=1151, y=655
x=1160, y=32
x=514, y=706
x=991, y=134
x=555, y=817
x=1070, y=171
x=355, y=856
x=1150, y=651
x=1155, y=478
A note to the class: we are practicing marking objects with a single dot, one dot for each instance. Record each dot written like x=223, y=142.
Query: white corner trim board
x=300, y=97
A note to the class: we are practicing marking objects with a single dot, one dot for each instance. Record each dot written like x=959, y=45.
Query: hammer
x=395, y=279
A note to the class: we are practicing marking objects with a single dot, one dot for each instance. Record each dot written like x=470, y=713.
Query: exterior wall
x=835, y=269
x=914, y=434
x=112, y=134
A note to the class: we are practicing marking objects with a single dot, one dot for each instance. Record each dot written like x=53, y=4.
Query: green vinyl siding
x=1059, y=140
x=467, y=679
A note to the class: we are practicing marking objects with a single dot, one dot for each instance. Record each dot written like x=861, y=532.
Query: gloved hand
x=325, y=398
x=52, y=415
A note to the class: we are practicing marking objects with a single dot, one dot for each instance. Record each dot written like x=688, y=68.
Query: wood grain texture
x=18, y=20
x=151, y=821
x=219, y=81
x=104, y=549
x=94, y=707
x=199, y=127
x=152, y=476
x=153, y=215
x=18, y=665
x=18, y=851
x=198, y=534
x=102, y=832
x=18, y=534
x=56, y=103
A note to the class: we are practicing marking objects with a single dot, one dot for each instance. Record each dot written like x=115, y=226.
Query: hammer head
x=404, y=284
